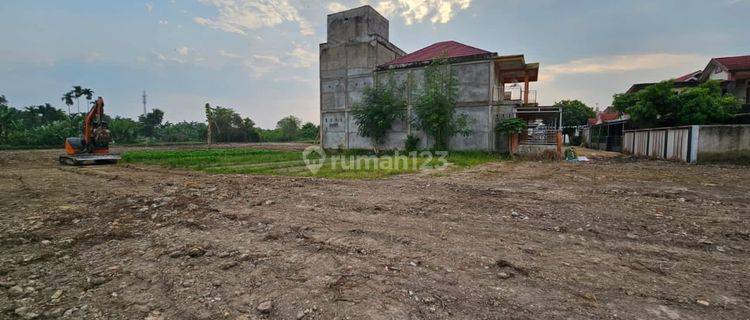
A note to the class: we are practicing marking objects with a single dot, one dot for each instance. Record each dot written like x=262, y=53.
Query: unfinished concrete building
x=490, y=87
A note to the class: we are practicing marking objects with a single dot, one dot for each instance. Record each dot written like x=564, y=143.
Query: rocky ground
x=611, y=239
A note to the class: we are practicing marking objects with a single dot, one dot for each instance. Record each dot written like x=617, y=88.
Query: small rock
x=269, y=202
x=97, y=281
x=154, y=315
x=229, y=265
x=57, y=295
x=46, y=242
x=702, y=302
x=265, y=307
x=26, y=313
x=54, y=313
x=176, y=254
x=301, y=314
x=196, y=252
x=504, y=275
x=15, y=291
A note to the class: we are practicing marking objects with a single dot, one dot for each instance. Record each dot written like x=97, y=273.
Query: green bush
x=511, y=125
x=381, y=105
x=411, y=143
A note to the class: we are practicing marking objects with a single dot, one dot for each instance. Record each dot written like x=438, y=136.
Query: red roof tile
x=609, y=116
x=450, y=49
x=735, y=63
x=687, y=77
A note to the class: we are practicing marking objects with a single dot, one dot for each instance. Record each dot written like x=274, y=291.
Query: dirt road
x=607, y=240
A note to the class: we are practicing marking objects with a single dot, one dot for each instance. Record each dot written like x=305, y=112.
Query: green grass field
x=353, y=165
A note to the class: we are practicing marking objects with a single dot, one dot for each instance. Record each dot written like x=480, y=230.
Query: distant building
x=490, y=87
x=732, y=72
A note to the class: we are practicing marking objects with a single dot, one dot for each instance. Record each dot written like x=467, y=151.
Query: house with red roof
x=732, y=72
x=491, y=87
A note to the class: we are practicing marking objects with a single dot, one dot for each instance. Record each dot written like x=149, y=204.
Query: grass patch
x=355, y=165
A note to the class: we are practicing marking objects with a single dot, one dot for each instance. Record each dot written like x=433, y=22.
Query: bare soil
x=611, y=239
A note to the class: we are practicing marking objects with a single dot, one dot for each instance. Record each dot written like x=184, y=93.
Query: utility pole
x=144, y=103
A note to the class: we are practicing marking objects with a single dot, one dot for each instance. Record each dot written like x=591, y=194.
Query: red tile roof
x=734, y=63
x=450, y=49
x=602, y=117
x=693, y=75
x=609, y=116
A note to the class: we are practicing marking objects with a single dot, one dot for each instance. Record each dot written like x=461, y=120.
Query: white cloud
x=620, y=64
x=165, y=58
x=303, y=57
x=228, y=54
x=238, y=16
x=183, y=51
x=149, y=7
x=336, y=7
x=163, y=22
x=92, y=56
x=415, y=11
x=258, y=64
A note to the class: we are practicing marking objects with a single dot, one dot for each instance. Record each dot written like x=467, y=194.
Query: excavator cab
x=93, y=145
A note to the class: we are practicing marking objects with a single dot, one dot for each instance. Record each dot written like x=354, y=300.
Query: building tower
x=357, y=42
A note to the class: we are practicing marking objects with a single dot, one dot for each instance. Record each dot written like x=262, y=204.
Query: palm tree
x=77, y=93
x=68, y=99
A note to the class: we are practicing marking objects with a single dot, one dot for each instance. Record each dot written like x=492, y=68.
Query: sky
x=260, y=57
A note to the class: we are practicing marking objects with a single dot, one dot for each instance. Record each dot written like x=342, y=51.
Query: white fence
x=689, y=143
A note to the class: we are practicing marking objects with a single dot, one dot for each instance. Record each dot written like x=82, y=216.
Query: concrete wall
x=475, y=83
x=704, y=143
x=724, y=143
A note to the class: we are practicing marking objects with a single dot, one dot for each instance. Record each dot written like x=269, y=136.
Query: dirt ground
x=610, y=239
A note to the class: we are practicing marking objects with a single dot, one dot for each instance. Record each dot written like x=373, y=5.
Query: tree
x=123, y=130
x=309, y=131
x=35, y=116
x=76, y=94
x=434, y=112
x=289, y=127
x=8, y=118
x=622, y=101
x=705, y=104
x=150, y=122
x=67, y=98
x=381, y=105
x=660, y=105
x=511, y=126
x=574, y=112
x=226, y=125
x=655, y=103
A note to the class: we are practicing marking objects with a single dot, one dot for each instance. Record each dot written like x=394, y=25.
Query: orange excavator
x=93, y=145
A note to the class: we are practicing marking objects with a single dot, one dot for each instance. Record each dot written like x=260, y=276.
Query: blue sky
x=260, y=56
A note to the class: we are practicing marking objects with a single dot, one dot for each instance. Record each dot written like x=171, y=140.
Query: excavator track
x=81, y=159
